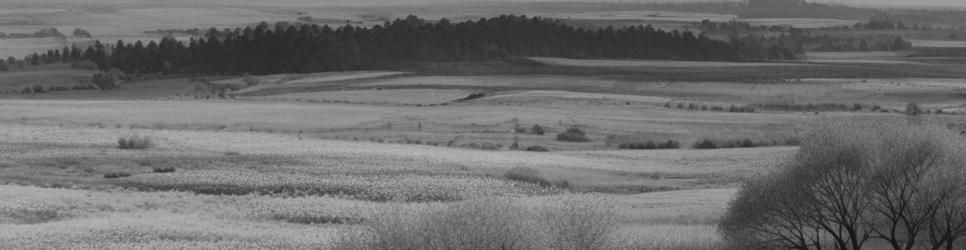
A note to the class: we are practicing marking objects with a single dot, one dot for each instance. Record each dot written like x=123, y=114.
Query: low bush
x=135, y=142
x=573, y=134
x=473, y=96
x=705, y=144
x=649, y=144
x=537, y=149
x=164, y=169
x=538, y=130
x=115, y=175
x=528, y=175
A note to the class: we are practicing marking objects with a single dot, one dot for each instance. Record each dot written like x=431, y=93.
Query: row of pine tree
x=303, y=48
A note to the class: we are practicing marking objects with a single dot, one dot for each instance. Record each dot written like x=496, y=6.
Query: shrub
x=573, y=134
x=670, y=144
x=78, y=32
x=250, y=81
x=494, y=223
x=108, y=79
x=528, y=175
x=649, y=144
x=115, y=175
x=537, y=149
x=705, y=144
x=473, y=96
x=164, y=169
x=852, y=181
x=538, y=130
x=913, y=109
x=135, y=142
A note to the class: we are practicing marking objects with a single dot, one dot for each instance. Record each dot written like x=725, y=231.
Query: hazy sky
x=875, y=3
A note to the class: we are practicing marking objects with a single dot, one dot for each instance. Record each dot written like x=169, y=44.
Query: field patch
x=650, y=63
x=379, y=96
x=295, y=83
x=937, y=44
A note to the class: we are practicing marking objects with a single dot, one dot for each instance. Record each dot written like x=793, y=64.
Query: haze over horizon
x=289, y=3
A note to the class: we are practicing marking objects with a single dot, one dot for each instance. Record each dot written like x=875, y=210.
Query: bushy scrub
x=883, y=183
x=649, y=144
x=530, y=175
x=135, y=142
x=573, y=134
x=491, y=223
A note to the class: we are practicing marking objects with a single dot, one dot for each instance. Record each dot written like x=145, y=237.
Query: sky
x=864, y=3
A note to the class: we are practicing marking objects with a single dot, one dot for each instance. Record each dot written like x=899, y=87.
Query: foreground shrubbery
x=492, y=223
x=892, y=184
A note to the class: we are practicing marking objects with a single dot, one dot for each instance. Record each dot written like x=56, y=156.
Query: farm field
x=652, y=153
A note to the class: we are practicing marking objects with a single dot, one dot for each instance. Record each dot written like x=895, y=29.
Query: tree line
x=302, y=48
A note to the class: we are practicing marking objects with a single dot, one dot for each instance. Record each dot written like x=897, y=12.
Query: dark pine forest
x=303, y=48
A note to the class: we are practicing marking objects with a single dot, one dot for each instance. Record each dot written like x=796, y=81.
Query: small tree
x=78, y=32
x=539, y=130
x=108, y=79
x=573, y=134
x=913, y=109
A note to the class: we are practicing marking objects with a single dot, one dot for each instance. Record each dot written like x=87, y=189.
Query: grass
x=495, y=223
x=530, y=175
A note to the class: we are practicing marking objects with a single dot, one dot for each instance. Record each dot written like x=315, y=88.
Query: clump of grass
x=537, y=149
x=135, y=142
x=164, y=169
x=493, y=223
x=115, y=175
x=530, y=175
x=573, y=134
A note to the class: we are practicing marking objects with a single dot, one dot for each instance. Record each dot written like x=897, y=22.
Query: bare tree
x=853, y=183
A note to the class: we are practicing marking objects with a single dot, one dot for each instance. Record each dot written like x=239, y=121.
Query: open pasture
x=181, y=209
x=48, y=76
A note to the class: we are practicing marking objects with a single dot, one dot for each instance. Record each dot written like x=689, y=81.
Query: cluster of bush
x=650, y=144
x=530, y=175
x=472, y=97
x=705, y=107
x=135, y=142
x=817, y=107
x=536, y=129
x=573, y=134
x=742, y=143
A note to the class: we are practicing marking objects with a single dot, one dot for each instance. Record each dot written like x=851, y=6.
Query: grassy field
x=324, y=160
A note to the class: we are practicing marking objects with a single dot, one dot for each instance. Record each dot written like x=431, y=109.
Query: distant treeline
x=286, y=48
x=798, y=40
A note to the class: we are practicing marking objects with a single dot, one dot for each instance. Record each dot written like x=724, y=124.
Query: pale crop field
x=938, y=44
x=651, y=63
x=380, y=97
x=178, y=210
